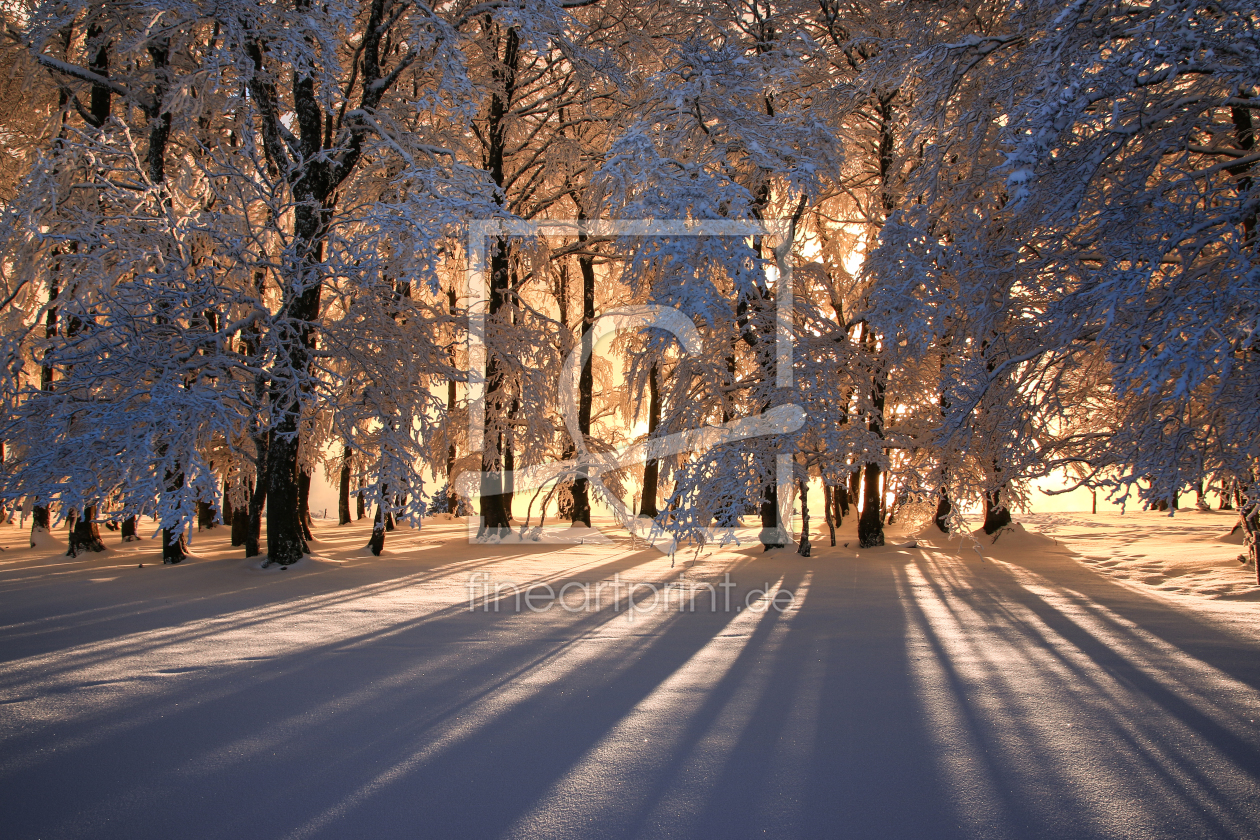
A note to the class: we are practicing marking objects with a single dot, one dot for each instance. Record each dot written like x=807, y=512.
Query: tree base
x=173, y=550
x=773, y=538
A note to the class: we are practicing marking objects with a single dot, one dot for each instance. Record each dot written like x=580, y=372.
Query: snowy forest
x=1022, y=239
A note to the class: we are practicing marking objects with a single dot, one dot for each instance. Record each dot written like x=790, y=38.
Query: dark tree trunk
x=343, y=489
x=129, y=530
x=1245, y=140
x=855, y=488
x=772, y=534
x=304, y=504
x=944, y=507
x=205, y=516
x=173, y=547
x=839, y=504
x=581, y=495
x=39, y=521
x=829, y=493
x=85, y=535
x=360, y=507
x=496, y=448
x=377, y=541
x=996, y=514
x=285, y=542
x=870, y=523
x=228, y=511
x=314, y=172
x=240, y=527
x=99, y=102
x=257, y=501
x=509, y=466
x=652, y=469
x=452, y=502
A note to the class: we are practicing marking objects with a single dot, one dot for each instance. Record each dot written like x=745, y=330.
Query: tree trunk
x=205, y=516
x=839, y=504
x=257, y=500
x=452, y=504
x=996, y=514
x=343, y=489
x=586, y=382
x=39, y=521
x=870, y=522
x=377, y=541
x=173, y=548
x=228, y=511
x=772, y=533
x=944, y=507
x=828, y=505
x=652, y=469
x=129, y=530
x=240, y=526
x=804, y=547
x=496, y=448
x=304, y=504
x=285, y=542
x=85, y=535
x=855, y=487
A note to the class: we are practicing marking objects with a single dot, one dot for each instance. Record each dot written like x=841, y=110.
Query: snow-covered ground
x=1099, y=680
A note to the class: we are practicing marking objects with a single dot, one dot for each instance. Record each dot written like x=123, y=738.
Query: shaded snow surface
x=1032, y=687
